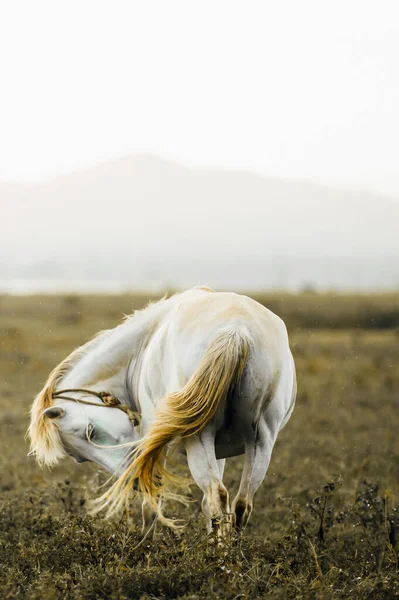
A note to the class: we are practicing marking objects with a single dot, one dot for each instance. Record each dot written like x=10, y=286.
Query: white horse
x=211, y=370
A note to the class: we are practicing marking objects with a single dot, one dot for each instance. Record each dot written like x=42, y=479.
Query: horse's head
x=86, y=431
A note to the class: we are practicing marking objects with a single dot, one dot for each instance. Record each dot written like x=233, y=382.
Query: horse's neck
x=108, y=362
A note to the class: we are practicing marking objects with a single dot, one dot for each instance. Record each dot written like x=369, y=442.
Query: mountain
x=142, y=219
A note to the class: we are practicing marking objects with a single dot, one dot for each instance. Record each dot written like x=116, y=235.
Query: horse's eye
x=91, y=434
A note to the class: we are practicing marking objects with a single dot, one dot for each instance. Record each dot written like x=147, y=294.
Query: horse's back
x=199, y=316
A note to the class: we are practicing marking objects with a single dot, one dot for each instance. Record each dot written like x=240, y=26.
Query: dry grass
x=324, y=525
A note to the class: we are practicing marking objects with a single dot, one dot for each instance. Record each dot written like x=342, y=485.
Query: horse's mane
x=46, y=444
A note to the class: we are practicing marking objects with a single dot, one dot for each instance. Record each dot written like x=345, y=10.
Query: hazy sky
x=304, y=88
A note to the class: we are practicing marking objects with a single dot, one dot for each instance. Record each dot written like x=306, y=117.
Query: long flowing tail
x=182, y=414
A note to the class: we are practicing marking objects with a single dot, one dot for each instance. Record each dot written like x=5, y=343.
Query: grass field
x=325, y=523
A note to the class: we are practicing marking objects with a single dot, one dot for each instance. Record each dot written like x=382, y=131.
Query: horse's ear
x=54, y=412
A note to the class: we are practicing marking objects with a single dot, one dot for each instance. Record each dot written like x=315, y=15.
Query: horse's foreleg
x=149, y=516
x=258, y=450
x=207, y=472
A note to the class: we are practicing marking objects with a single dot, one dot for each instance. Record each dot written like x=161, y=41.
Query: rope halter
x=106, y=398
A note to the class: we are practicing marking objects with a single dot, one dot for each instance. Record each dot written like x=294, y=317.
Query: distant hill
x=143, y=220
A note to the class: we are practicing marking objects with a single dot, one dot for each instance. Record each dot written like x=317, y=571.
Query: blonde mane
x=45, y=441
x=44, y=435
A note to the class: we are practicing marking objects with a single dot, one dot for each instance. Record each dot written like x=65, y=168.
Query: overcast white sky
x=305, y=89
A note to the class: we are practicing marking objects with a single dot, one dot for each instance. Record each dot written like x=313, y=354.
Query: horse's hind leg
x=221, y=464
x=258, y=449
x=207, y=472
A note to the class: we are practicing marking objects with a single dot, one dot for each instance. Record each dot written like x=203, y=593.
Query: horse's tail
x=180, y=415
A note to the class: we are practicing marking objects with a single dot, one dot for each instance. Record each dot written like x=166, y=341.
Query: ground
x=324, y=525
